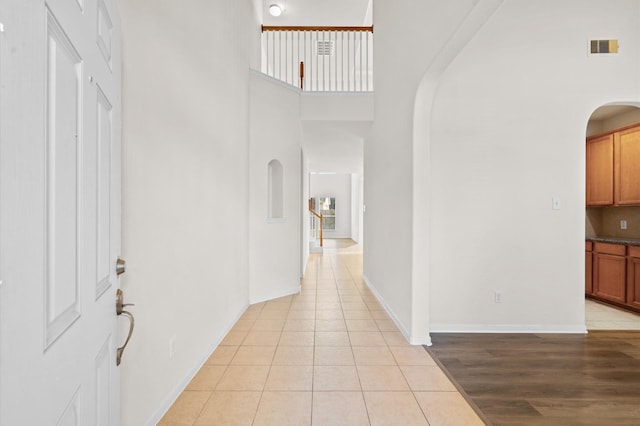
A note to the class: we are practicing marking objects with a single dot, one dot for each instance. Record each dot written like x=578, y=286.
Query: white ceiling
x=609, y=111
x=319, y=12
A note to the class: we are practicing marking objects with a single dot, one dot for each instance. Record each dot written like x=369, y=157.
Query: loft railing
x=320, y=59
x=316, y=225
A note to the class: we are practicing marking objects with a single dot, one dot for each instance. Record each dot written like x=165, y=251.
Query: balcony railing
x=320, y=59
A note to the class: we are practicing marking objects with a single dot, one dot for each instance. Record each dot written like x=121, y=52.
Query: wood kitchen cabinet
x=633, y=277
x=610, y=271
x=600, y=170
x=613, y=168
x=588, y=263
x=627, y=167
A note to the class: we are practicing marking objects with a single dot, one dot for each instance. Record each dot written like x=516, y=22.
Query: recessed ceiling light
x=275, y=10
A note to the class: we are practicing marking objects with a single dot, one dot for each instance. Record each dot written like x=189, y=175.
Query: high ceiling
x=329, y=146
x=319, y=12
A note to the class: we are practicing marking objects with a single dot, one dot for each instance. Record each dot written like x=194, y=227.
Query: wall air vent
x=324, y=48
x=604, y=46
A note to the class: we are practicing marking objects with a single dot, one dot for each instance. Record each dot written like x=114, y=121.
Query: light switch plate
x=555, y=203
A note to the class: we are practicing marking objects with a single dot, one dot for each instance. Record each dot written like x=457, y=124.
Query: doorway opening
x=612, y=219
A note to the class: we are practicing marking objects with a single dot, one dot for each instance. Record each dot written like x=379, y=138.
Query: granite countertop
x=616, y=240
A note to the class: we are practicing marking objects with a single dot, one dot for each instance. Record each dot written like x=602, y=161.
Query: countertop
x=616, y=240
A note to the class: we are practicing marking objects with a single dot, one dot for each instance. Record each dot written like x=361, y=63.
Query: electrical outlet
x=623, y=224
x=498, y=297
x=172, y=346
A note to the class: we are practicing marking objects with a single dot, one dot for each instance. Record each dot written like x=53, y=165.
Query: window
x=327, y=208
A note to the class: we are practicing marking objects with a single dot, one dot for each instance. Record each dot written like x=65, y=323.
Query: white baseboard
x=506, y=328
x=289, y=292
x=181, y=386
x=411, y=339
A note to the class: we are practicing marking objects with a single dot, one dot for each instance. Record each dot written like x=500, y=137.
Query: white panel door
x=59, y=212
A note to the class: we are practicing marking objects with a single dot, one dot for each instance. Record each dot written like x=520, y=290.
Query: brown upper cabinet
x=613, y=168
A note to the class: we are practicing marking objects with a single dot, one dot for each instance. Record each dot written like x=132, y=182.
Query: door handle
x=120, y=311
x=121, y=266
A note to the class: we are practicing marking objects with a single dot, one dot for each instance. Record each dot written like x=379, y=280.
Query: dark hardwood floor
x=547, y=379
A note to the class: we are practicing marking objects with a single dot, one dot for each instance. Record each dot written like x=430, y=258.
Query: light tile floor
x=327, y=356
x=603, y=317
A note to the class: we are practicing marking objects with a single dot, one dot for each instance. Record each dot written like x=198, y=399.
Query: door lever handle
x=120, y=311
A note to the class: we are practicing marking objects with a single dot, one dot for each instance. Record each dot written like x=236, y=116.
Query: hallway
x=327, y=356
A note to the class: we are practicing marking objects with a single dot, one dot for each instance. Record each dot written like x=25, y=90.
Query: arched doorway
x=612, y=218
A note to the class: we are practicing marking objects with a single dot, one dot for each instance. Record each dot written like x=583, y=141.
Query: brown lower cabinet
x=610, y=271
x=588, y=264
x=633, y=277
x=615, y=273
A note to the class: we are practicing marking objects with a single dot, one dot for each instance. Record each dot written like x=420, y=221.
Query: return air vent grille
x=324, y=48
x=604, y=46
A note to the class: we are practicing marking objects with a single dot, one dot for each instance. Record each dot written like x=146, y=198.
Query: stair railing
x=316, y=224
x=319, y=59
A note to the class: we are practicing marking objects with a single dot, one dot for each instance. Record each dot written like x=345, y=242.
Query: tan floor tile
x=262, y=338
x=447, y=408
x=244, y=378
x=296, y=315
x=328, y=306
x=297, y=338
x=234, y=338
x=379, y=314
x=254, y=355
x=275, y=314
x=300, y=325
x=186, y=409
x=284, y=408
x=395, y=338
x=382, y=378
x=427, y=378
x=303, y=306
x=362, y=314
x=373, y=355
x=394, y=408
x=293, y=355
x=243, y=325
x=347, y=298
x=374, y=305
x=222, y=355
x=250, y=315
x=333, y=355
x=412, y=355
x=361, y=325
x=335, y=378
x=268, y=325
x=207, y=378
x=339, y=409
x=332, y=338
x=329, y=315
x=290, y=378
x=230, y=408
x=327, y=298
x=354, y=306
x=330, y=325
x=366, y=338
x=386, y=325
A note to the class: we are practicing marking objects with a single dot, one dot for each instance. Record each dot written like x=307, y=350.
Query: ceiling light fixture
x=275, y=10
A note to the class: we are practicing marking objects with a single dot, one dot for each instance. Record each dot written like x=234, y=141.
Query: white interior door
x=59, y=212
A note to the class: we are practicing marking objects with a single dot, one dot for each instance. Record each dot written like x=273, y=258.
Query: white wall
x=336, y=185
x=409, y=35
x=507, y=133
x=185, y=188
x=505, y=129
x=305, y=219
x=357, y=197
x=275, y=133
